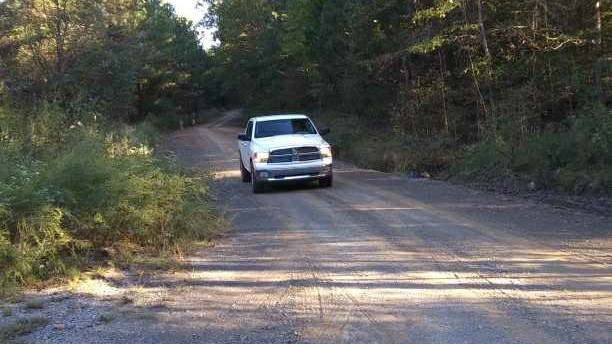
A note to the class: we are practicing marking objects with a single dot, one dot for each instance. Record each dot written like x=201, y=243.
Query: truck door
x=245, y=151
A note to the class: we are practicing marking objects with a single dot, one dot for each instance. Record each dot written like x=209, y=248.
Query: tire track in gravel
x=437, y=265
x=510, y=302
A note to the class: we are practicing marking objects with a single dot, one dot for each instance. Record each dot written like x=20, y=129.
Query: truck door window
x=249, y=130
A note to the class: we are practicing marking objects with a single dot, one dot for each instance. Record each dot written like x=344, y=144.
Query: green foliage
x=439, y=11
x=490, y=155
x=429, y=45
x=119, y=60
x=14, y=271
x=99, y=191
x=366, y=146
x=74, y=180
x=576, y=159
x=594, y=139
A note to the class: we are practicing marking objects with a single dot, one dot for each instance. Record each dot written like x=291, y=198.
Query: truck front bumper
x=294, y=171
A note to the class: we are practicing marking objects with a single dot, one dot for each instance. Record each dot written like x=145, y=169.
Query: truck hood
x=284, y=141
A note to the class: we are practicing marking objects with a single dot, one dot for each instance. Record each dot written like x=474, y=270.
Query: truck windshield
x=284, y=127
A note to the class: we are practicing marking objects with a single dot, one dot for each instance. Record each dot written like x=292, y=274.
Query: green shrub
x=383, y=149
x=100, y=191
x=576, y=159
x=13, y=270
x=489, y=157
x=44, y=242
x=146, y=133
x=594, y=139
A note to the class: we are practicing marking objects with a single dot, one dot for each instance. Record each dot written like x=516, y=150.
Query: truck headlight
x=261, y=157
x=326, y=152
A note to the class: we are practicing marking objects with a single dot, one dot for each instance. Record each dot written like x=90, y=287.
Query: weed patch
x=575, y=160
x=100, y=195
x=34, y=305
x=21, y=327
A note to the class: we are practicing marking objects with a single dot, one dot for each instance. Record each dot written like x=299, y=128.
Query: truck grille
x=296, y=154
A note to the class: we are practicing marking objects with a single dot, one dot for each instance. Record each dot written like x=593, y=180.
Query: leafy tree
x=122, y=59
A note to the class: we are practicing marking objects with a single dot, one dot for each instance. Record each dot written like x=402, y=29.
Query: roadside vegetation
x=97, y=195
x=85, y=88
x=484, y=89
x=21, y=327
x=481, y=89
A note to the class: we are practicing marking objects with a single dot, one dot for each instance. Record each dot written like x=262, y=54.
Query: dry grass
x=6, y=312
x=21, y=327
x=106, y=318
x=34, y=304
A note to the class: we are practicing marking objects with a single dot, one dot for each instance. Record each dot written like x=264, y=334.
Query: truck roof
x=276, y=117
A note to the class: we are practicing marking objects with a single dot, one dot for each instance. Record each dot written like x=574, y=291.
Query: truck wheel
x=326, y=182
x=246, y=176
x=258, y=187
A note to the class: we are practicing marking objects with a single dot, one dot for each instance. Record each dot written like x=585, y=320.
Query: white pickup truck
x=283, y=148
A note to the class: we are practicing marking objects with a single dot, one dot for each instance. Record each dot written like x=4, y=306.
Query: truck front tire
x=326, y=182
x=258, y=187
x=244, y=174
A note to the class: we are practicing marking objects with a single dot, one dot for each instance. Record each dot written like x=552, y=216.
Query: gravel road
x=378, y=258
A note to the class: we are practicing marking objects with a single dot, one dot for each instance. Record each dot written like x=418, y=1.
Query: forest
x=486, y=89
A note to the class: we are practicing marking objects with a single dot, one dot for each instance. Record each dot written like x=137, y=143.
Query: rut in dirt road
x=378, y=258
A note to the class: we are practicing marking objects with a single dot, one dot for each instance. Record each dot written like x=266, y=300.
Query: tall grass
x=96, y=193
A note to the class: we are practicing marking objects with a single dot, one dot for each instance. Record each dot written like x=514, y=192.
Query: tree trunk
x=483, y=32
x=481, y=103
x=488, y=85
x=60, y=13
x=599, y=33
x=443, y=85
x=599, y=62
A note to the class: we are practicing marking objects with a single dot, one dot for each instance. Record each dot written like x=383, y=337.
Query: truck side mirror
x=243, y=137
x=324, y=131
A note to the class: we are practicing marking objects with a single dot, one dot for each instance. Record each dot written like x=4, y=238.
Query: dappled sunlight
x=226, y=174
x=340, y=282
x=95, y=287
x=366, y=260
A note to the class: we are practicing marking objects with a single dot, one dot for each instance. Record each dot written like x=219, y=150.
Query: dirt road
x=378, y=258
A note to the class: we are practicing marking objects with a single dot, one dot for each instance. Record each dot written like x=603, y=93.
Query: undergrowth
x=577, y=158
x=376, y=146
x=98, y=194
